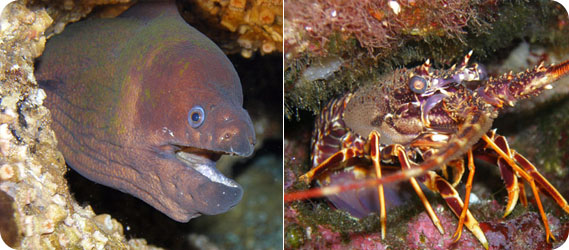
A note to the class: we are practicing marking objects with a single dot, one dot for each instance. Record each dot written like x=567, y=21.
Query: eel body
x=146, y=104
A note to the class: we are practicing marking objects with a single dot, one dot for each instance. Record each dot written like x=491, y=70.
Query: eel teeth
x=205, y=165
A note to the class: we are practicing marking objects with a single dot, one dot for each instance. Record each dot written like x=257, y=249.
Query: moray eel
x=146, y=104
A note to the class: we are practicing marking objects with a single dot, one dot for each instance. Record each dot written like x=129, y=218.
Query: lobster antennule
x=509, y=88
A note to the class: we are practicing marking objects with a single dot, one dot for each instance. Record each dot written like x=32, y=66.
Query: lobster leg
x=457, y=172
x=468, y=185
x=532, y=177
x=376, y=159
x=524, y=198
x=507, y=172
x=333, y=162
x=512, y=185
x=399, y=152
x=438, y=184
x=543, y=183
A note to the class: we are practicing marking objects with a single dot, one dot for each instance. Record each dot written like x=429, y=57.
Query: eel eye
x=418, y=84
x=196, y=116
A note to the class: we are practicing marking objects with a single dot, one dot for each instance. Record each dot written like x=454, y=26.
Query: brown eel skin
x=146, y=104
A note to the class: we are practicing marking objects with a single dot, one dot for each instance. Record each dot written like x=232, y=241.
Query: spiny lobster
x=421, y=120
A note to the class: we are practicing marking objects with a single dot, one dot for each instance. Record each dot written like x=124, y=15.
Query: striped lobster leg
x=522, y=167
x=438, y=184
x=398, y=152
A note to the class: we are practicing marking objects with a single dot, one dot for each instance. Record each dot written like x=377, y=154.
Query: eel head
x=192, y=118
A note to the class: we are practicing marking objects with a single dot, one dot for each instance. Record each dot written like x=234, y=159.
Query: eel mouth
x=203, y=161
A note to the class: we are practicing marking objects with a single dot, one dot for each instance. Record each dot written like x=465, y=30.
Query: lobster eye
x=196, y=116
x=418, y=84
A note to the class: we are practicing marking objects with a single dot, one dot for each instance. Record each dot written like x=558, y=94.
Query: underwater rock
x=253, y=25
x=422, y=234
x=32, y=170
x=322, y=68
x=523, y=232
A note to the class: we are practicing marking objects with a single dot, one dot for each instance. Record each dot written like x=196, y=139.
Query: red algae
x=523, y=232
x=422, y=234
x=378, y=24
x=357, y=241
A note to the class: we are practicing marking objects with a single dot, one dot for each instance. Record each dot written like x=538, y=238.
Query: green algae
x=322, y=214
x=294, y=236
